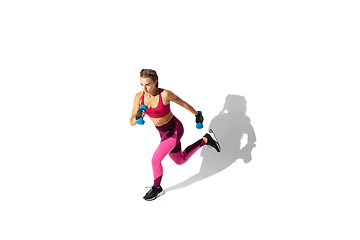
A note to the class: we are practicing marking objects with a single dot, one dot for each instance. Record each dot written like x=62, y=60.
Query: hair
x=149, y=73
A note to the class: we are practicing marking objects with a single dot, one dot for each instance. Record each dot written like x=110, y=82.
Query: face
x=147, y=84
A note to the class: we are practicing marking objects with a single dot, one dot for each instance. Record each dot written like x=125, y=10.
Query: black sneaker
x=212, y=140
x=154, y=193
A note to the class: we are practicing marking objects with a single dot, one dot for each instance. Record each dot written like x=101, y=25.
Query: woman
x=170, y=128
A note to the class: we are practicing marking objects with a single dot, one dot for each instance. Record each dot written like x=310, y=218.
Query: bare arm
x=135, y=108
x=174, y=98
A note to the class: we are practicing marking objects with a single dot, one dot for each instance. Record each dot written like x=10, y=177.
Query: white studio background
x=73, y=168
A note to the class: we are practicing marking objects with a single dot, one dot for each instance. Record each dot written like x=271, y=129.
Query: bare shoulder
x=138, y=96
x=167, y=93
x=167, y=96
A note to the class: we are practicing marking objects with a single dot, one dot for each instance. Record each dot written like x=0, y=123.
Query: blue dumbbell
x=141, y=120
x=199, y=125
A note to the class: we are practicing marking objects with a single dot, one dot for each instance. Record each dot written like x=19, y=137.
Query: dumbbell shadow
x=229, y=126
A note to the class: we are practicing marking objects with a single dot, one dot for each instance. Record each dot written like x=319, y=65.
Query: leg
x=180, y=157
x=165, y=146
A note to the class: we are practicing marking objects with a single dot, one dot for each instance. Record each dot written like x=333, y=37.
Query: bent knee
x=177, y=158
x=180, y=162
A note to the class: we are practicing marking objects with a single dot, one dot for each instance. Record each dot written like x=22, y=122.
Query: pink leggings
x=171, y=134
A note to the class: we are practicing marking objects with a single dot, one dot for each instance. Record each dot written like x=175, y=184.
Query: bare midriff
x=161, y=121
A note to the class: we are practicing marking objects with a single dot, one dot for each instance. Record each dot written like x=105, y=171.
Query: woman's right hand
x=140, y=114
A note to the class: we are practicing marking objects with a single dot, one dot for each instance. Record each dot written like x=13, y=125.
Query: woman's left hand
x=199, y=118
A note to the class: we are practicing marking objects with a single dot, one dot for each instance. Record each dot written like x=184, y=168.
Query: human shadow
x=229, y=127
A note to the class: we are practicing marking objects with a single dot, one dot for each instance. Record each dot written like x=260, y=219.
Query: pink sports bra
x=160, y=111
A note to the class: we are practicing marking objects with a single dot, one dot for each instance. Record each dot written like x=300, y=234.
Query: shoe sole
x=160, y=194
x=212, y=134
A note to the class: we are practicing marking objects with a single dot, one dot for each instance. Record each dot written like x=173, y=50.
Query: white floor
x=73, y=168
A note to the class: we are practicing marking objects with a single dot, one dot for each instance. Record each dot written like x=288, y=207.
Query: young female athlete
x=170, y=128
